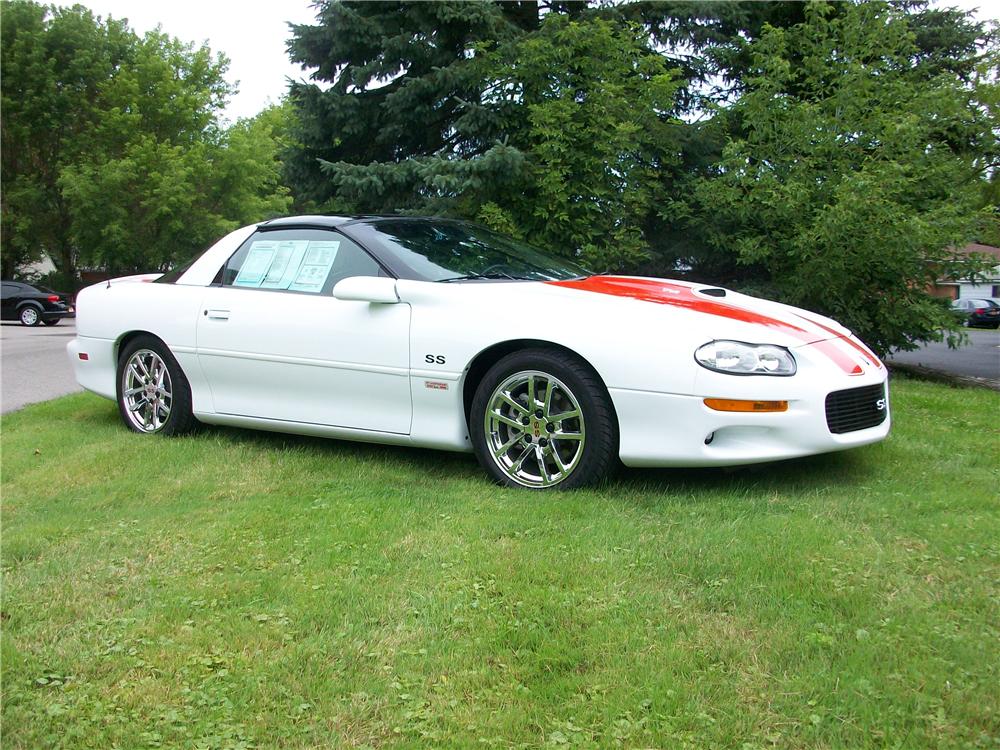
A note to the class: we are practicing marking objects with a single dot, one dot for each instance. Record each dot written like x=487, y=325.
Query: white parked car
x=443, y=334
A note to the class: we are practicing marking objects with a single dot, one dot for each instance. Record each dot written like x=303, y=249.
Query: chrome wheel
x=534, y=429
x=29, y=316
x=147, y=394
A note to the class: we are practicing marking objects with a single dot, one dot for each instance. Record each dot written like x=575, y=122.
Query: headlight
x=737, y=358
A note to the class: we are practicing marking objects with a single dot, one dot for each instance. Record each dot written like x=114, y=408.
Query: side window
x=307, y=261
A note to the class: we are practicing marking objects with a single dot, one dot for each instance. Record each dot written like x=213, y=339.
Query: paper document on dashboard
x=315, y=267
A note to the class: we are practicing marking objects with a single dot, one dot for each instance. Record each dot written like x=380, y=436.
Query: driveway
x=981, y=359
x=33, y=364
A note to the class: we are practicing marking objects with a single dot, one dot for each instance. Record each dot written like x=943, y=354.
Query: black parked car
x=978, y=312
x=34, y=304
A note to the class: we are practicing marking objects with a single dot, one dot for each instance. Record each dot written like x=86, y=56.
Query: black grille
x=856, y=408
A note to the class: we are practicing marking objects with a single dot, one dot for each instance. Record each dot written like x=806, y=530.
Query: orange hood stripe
x=650, y=290
x=865, y=352
x=665, y=293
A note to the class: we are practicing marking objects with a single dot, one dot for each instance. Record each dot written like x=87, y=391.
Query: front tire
x=154, y=396
x=542, y=419
x=29, y=316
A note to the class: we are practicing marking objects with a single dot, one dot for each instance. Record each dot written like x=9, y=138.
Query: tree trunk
x=65, y=262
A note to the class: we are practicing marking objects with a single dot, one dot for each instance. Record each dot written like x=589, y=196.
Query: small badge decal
x=435, y=385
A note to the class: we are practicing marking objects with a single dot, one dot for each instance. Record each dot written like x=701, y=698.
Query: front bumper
x=668, y=429
x=662, y=429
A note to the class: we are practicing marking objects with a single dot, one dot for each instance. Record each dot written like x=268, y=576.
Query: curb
x=920, y=372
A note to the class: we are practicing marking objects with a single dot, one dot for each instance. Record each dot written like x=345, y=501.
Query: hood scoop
x=713, y=292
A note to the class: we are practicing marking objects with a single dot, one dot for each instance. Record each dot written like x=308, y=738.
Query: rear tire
x=51, y=322
x=571, y=436
x=154, y=396
x=29, y=316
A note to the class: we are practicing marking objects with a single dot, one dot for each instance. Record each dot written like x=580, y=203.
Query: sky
x=253, y=33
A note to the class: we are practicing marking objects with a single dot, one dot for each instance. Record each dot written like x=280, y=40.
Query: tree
x=854, y=179
x=153, y=204
x=553, y=126
x=587, y=104
x=719, y=139
x=399, y=73
x=112, y=150
x=53, y=64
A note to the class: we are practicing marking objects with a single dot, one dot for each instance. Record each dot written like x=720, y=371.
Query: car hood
x=790, y=322
x=787, y=325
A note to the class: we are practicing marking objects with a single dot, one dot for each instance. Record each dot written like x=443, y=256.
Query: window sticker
x=287, y=259
x=295, y=265
x=315, y=267
x=255, y=266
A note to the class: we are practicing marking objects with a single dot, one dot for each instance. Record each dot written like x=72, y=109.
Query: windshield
x=442, y=250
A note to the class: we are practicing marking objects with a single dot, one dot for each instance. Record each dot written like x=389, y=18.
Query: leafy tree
x=719, y=39
x=823, y=153
x=153, y=204
x=989, y=232
x=853, y=177
x=113, y=154
x=590, y=104
x=555, y=127
x=53, y=64
x=400, y=74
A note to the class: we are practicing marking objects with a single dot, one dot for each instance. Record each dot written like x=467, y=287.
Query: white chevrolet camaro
x=443, y=334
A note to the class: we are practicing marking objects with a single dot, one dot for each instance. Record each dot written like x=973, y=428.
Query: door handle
x=217, y=314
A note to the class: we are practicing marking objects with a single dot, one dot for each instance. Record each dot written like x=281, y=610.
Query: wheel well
x=490, y=356
x=124, y=341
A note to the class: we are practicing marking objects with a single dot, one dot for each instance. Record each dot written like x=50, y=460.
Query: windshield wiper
x=490, y=275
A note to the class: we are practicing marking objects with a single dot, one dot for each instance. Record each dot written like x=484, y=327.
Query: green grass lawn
x=240, y=589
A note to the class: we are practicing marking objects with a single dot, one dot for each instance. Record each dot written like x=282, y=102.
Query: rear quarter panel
x=106, y=314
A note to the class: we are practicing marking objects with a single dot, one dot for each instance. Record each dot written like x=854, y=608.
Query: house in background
x=38, y=268
x=965, y=288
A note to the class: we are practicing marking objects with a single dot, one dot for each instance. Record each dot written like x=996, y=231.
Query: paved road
x=979, y=360
x=33, y=364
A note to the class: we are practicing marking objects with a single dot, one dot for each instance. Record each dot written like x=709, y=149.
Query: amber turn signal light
x=729, y=404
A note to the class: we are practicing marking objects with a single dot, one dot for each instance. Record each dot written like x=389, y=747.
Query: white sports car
x=443, y=334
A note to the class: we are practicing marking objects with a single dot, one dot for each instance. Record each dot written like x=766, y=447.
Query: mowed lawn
x=239, y=589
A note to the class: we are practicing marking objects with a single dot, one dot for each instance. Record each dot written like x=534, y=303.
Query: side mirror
x=376, y=289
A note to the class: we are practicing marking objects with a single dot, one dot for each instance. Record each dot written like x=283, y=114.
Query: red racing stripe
x=844, y=362
x=856, y=344
x=665, y=293
x=650, y=290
